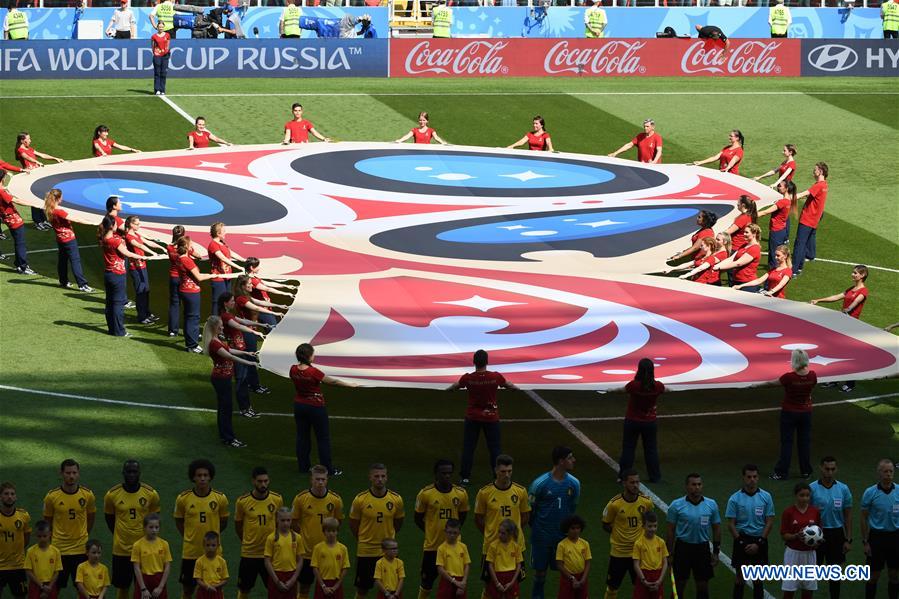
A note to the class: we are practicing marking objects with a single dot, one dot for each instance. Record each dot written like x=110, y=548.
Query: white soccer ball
x=812, y=535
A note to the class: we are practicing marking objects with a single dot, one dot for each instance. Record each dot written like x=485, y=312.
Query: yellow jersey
x=626, y=520
x=390, y=572
x=201, y=515
x=212, y=571
x=129, y=510
x=13, y=529
x=69, y=512
x=310, y=511
x=574, y=555
x=453, y=558
x=438, y=507
x=43, y=563
x=331, y=561
x=285, y=552
x=258, y=517
x=496, y=505
x=375, y=516
x=505, y=557
x=94, y=578
x=651, y=552
x=151, y=556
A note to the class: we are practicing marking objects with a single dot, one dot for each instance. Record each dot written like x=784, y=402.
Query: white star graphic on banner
x=601, y=223
x=513, y=227
x=481, y=303
x=527, y=176
x=204, y=164
x=707, y=195
x=155, y=205
x=824, y=360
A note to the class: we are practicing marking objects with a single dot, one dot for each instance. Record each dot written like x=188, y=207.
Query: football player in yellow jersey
x=124, y=507
x=434, y=505
x=70, y=510
x=310, y=508
x=254, y=520
x=376, y=514
x=15, y=531
x=623, y=518
x=498, y=501
x=197, y=511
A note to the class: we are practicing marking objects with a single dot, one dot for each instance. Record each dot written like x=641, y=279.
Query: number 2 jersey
x=551, y=502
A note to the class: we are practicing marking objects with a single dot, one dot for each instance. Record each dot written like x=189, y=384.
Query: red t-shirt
x=257, y=293
x=160, y=43
x=60, y=223
x=792, y=521
x=798, y=391
x=112, y=259
x=186, y=281
x=646, y=146
x=8, y=209
x=537, y=142
x=174, y=261
x=813, y=208
x=9, y=167
x=422, y=138
x=235, y=336
x=201, y=138
x=299, y=131
x=132, y=239
x=641, y=404
x=242, y=310
x=849, y=297
x=222, y=368
x=26, y=157
x=307, y=383
x=216, y=265
x=102, y=148
x=727, y=153
x=779, y=217
x=787, y=164
x=748, y=272
x=738, y=238
x=482, y=386
x=774, y=278
x=710, y=276
x=701, y=234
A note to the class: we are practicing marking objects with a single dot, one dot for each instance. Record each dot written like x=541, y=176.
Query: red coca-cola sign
x=591, y=58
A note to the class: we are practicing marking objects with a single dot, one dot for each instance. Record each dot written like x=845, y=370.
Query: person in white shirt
x=122, y=25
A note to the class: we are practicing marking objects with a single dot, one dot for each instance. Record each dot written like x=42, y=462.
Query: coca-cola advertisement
x=592, y=57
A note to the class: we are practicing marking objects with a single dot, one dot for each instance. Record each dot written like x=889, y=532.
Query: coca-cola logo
x=480, y=57
x=748, y=58
x=611, y=58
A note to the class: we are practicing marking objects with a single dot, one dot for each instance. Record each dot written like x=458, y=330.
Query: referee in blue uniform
x=834, y=500
x=750, y=516
x=693, y=521
x=880, y=529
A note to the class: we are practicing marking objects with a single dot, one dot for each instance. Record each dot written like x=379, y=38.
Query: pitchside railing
x=420, y=9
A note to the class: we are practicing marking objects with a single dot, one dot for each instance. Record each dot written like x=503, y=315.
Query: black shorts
x=618, y=567
x=122, y=571
x=428, y=569
x=692, y=558
x=249, y=569
x=16, y=580
x=307, y=576
x=187, y=573
x=884, y=550
x=741, y=558
x=69, y=569
x=831, y=551
x=365, y=573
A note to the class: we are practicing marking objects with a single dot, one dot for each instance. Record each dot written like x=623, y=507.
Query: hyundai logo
x=832, y=58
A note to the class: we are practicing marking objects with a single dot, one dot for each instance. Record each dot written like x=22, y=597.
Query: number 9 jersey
x=129, y=510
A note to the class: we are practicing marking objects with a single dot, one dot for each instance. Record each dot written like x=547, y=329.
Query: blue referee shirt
x=750, y=511
x=551, y=502
x=883, y=507
x=831, y=502
x=693, y=521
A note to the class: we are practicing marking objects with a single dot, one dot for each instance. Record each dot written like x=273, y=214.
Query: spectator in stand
x=702, y=271
x=834, y=500
x=797, y=553
x=122, y=25
x=750, y=516
x=804, y=247
x=705, y=220
x=648, y=143
x=854, y=300
x=65, y=242
x=776, y=279
x=787, y=168
x=10, y=215
x=796, y=416
x=28, y=158
x=745, y=261
x=223, y=360
x=640, y=421
x=297, y=131
x=730, y=156
x=102, y=145
x=160, y=42
x=880, y=529
x=538, y=139
x=220, y=262
x=201, y=136
x=779, y=224
x=423, y=134
x=779, y=19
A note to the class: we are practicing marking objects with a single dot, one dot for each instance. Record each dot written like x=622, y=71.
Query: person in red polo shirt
x=785, y=171
x=796, y=416
x=745, y=261
x=705, y=220
x=649, y=144
x=422, y=134
x=854, y=300
x=779, y=224
x=796, y=553
x=777, y=278
x=482, y=412
x=102, y=145
x=309, y=411
x=14, y=222
x=137, y=269
x=804, y=248
x=220, y=261
x=235, y=329
x=748, y=215
x=66, y=242
x=10, y=168
x=730, y=156
x=640, y=420
x=28, y=158
x=161, y=44
x=201, y=136
x=297, y=131
x=537, y=140
x=261, y=290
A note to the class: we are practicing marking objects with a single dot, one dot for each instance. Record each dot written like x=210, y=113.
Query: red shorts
x=151, y=581
x=448, y=591
x=275, y=593
x=566, y=591
x=641, y=592
x=34, y=591
x=204, y=594
x=504, y=578
x=320, y=594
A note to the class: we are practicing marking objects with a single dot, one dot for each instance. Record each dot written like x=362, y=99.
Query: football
x=812, y=535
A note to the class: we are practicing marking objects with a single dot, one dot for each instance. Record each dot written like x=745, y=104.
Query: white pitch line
x=48, y=250
x=883, y=268
x=176, y=108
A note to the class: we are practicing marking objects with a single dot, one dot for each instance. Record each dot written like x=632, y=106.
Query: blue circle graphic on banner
x=565, y=227
x=483, y=171
x=141, y=198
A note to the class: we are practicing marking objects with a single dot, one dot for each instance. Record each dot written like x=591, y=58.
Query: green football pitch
x=68, y=390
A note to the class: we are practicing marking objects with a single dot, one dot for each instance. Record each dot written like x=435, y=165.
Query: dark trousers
x=252, y=371
x=751, y=288
x=804, y=246
x=778, y=35
x=68, y=252
x=38, y=215
x=799, y=423
x=312, y=419
x=115, y=303
x=268, y=318
x=633, y=430
x=218, y=288
x=160, y=70
x=890, y=35
x=241, y=374
x=123, y=35
x=141, y=283
x=18, y=239
x=191, y=303
x=470, y=436
x=776, y=239
x=174, y=305
x=223, y=403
